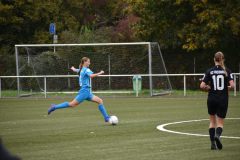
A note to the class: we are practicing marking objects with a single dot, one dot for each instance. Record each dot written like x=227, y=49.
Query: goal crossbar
x=82, y=44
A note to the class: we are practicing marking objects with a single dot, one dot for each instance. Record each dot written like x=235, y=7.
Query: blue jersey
x=84, y=77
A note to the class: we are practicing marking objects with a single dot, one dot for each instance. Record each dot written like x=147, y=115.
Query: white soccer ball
x=113, y=120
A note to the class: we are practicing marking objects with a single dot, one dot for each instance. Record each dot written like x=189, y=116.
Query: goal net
x=130, y=68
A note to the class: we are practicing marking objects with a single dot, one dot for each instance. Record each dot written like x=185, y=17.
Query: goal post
x=135, y=58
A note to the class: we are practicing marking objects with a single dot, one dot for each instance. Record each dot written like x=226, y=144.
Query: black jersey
x=218, y=81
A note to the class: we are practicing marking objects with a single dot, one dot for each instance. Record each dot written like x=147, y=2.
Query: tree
x=189, y=24
x=197, y=27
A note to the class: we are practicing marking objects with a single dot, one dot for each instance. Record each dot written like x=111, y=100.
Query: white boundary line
x=161, y=128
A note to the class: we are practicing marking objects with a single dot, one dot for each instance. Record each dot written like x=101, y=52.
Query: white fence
x=45, y=78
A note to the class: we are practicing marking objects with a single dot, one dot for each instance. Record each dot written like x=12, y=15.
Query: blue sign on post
x=52, y=28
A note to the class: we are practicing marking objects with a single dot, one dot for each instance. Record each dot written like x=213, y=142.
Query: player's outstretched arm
x=74, y=69
x=96, y=74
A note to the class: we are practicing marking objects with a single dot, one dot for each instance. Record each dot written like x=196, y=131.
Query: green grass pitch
x=80, y=133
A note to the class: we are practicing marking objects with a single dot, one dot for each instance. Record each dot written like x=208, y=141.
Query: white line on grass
x=161, y=128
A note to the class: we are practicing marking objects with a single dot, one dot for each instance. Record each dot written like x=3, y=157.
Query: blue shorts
x=84, y=94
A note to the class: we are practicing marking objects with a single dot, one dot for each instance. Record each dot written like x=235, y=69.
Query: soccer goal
x=130, y=68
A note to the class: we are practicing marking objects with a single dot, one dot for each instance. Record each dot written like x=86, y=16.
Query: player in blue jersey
x=217, y=81
x=85, y=75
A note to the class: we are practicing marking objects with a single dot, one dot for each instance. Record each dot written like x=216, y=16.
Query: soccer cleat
x=218, y=142
x=213, y=146
x=51, y=109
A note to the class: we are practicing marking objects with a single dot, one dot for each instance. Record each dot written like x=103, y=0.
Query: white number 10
x=218, y=82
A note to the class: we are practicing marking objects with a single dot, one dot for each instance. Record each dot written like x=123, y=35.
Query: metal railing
x=185, y=76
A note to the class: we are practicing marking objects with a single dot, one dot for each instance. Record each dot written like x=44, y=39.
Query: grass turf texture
x=80, y=133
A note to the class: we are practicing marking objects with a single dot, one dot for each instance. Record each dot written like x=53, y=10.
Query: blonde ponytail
x=84, y=59
x=219, y=57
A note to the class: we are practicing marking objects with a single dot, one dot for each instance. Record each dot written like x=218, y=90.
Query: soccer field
x=81, y=133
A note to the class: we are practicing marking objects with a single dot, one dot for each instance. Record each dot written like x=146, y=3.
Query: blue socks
x=104, y=112
x=62, y=105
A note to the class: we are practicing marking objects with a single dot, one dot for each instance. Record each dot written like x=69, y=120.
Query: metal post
x=17, y=71
x=136, y=86
x=109, y=71
x=239, y=79
x=54, y=48
x=150, y=68
x=239, y=83
x=69, y=84
x=45, y=87
x=159, y=49
x=184, y=83
x=235, y=85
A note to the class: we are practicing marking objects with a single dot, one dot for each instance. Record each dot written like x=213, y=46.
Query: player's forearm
x=231, y=84
x=204, y=87
x=96, y=74
x=74, y=69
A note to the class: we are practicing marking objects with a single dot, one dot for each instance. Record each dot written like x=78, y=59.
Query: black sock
x=211, y=134
x=219, y=131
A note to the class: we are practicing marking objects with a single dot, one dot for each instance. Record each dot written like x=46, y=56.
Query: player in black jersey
x=217, y=81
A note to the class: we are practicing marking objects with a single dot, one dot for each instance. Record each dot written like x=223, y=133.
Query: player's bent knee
x=97, y=100
x=70, y=104
x=100, y=101
x=73, y=104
